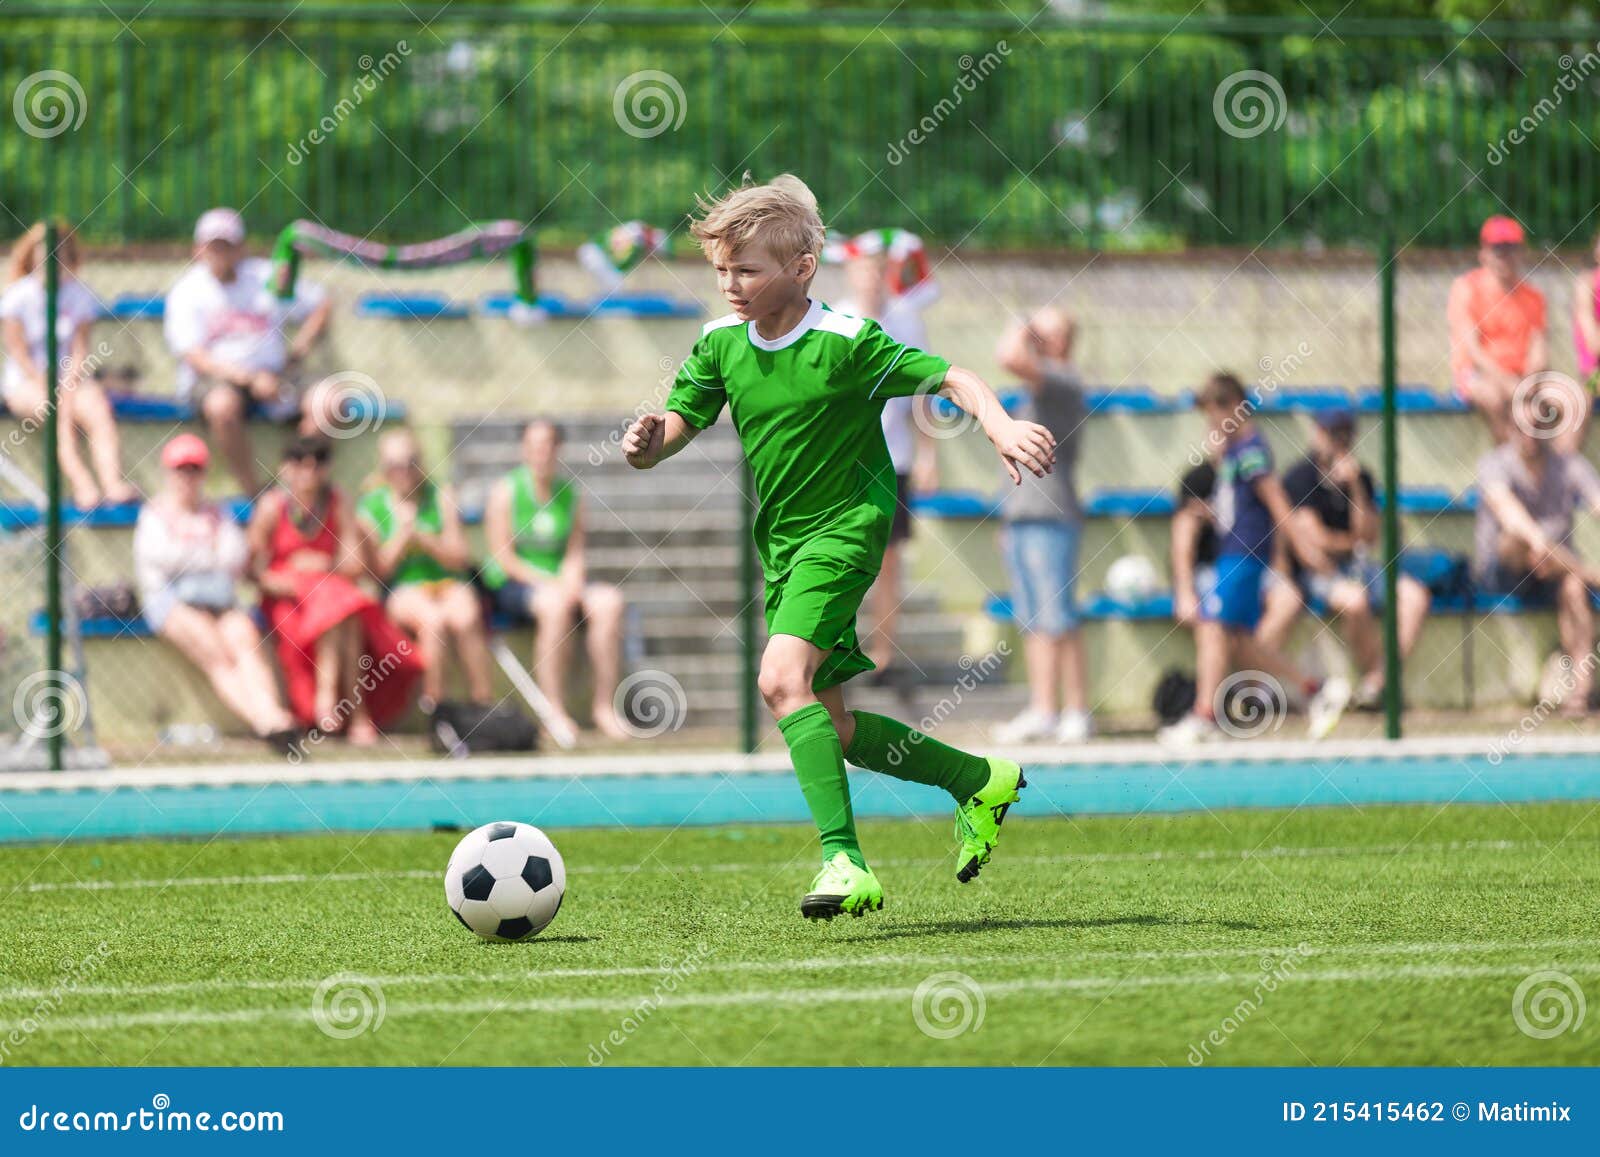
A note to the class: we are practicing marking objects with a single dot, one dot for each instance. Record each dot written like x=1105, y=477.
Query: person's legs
x=1348, y=600
x=1281, y=608
x=603, y=609
x=198, y=638
x=1072, y=663
x=93, y=415
x=1575, y=622
x=26, y=400
x=554, y=614
x=886, y=599
x=1041, y=659
x=1033, y=585
x=224, y=411
x=1414, y=602
x=361, y=731
x=415, y=611
x=251, y=672
x=463, y=618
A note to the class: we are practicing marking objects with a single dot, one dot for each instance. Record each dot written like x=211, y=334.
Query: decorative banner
x=481, y=242
x=909, y=275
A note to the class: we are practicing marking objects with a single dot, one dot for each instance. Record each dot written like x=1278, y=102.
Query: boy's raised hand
x=1024, y=444
x=643, y=442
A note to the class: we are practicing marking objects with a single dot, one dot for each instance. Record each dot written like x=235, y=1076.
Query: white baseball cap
x=219, y=225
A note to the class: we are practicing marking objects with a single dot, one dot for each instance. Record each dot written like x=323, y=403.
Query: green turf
x=1107, y=941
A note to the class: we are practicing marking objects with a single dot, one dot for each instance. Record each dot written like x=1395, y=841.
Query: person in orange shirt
x=1497, y=324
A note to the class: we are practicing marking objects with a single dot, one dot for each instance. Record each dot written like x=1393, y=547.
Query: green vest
x=416, y=565
x=539, y=531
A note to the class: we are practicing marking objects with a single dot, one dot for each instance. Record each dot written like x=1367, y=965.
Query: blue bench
x=16, y=516
x=138, y=307
x=408, y=307
x=637, y=305
x=107, y=627
x=1160, y=502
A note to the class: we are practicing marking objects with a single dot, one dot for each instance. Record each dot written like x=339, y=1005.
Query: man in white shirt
x=227, y=328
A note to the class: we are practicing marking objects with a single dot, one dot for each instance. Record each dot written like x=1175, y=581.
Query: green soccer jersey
x=808, y=410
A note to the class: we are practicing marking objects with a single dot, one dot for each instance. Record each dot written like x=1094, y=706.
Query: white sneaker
x=1327, y=707
x=1074, y=727
x=1028, y=727
x=1189, y=731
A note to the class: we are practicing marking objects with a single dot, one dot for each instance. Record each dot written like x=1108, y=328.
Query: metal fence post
x=52, y=476
x=1391, y=505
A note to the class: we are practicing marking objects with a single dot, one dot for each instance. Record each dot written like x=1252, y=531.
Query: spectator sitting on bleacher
x=1248, y=504
x=418, y=550
x=1042, y=534
x=226, y=327
x=1194, y=553
x=1528, y=492
x=81, y=405
x=1586, y=340
x=347, y=668
x=1333, y=526
x=1497, y=326
x=534, y=526
x=188, y=555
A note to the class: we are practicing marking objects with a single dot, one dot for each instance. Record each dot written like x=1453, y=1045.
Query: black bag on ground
x=462, y=729
x=1174, y=697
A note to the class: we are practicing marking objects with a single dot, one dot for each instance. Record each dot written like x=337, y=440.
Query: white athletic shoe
x=1074, y=727
x=1028, y=727
x=1190, y=731
x=1327, y=707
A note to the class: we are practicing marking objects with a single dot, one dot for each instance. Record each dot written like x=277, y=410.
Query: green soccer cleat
x=841, y=887
x=978, y=820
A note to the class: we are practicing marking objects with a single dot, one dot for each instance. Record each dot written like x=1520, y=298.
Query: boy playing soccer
x=805, y=388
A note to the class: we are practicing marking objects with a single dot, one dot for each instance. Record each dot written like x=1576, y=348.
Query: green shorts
x=817, y=601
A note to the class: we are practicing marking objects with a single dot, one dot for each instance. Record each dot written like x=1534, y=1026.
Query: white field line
x=1227, y=855
x=1271, y=956
x=655, y=1001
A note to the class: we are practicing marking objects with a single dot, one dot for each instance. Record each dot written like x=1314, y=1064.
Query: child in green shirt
x=805, y=388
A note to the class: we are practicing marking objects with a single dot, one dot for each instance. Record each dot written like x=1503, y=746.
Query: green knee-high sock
x=889, y=746
x=819, y=765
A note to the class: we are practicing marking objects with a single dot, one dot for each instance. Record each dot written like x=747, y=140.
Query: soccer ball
x=505, y=881
x=1131, y=579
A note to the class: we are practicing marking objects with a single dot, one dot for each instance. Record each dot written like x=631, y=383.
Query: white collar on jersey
x=807, y=323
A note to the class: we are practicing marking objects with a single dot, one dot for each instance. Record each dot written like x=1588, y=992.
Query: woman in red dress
x=346, y=667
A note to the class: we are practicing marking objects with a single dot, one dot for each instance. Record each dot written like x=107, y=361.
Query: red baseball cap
x=185, y=450
x=1499, y=230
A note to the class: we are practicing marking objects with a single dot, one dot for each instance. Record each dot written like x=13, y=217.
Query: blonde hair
x=27, y=253
x=781, y=215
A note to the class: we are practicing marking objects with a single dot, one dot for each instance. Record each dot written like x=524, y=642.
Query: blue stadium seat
x=140, y=408
x=408, y=307
x=1411, y=398
x=1130, y=502
x=138, y=307
x=645, y=305
x=955, y=504
x=1302, y=399
x=1135, y=400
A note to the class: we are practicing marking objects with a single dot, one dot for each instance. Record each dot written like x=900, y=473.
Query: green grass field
x=1105, y=941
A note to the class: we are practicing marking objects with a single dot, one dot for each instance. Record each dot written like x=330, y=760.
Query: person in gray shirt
x=1042, y=532
x=1528, y=492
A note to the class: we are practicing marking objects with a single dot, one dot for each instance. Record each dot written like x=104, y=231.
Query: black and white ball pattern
x=505, y=881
